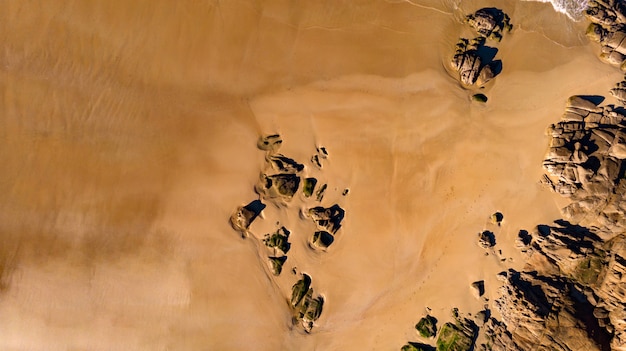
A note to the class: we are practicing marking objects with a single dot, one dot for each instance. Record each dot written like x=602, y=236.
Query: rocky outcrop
x=584, y=161
x=619, y=91
x=486, y=239
x=459, y=335
x=306, y=308
x=473, y=60
x=244, y=215
x=608, y=27
x=490, y=22
x=283, y=181
x=427, y=327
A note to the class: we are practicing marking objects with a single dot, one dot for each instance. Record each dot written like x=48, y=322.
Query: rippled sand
x=129, y=137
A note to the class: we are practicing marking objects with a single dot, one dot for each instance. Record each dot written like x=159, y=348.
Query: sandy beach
x=129, y=136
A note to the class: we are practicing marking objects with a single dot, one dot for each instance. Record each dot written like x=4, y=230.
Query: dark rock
x=474, y=62
x=319, y=194
x=269, y=143
x=486, y=239
x=279, y=186
x=299, y=289
x=276, y=264
x=309, y=186
x=479, y=98
x=491, y=23
x=322, y=239
x=278, y=240
x=285, y=164
x=307, y=308
x=415, y=346
x=427, y=326
x=457, y=336
x=478, y=288
x=327, y=218
x=243, y=217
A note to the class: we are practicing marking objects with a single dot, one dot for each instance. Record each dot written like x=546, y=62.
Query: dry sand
x=129, y=136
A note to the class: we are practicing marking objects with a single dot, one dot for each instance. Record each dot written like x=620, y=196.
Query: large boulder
x=490, y=22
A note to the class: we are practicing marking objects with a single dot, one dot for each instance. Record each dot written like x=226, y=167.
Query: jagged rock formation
x=619, y=91
x=244, y=215
x=478, y=288
x=322, y=240
x=491, y=23
x=306, y=308
x=416, y=346
x=459, y=335
x=572, y=293
x=486, y=239
x=608, y=28
x=584, y=162
x=427, y=326
x=328, y=219
x=279, y=183
x=473, y=60
x=545, y=312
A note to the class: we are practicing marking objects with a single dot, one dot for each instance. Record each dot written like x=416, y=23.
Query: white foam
x=572, y=8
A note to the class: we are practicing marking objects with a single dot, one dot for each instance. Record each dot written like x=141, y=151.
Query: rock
x=283, y=186
x=415, y=346
x=474, y=62
x=319, y=194
x=278, y=240
x=307, y=309
x=299, y=289
x=497, y=218
x=427, y=326
x=327, y=218
x=457, y=336
x=322, y=240
x=486, y=239
x=269, y=143
x=608, y=28
x=284, y=164
x=309, y=186
x=243, y=217
x=479, y=98
x=481, y=317
x=585, y=159
x=478, y=288
x=276, y=264
x=491, y=23
x=619, y=91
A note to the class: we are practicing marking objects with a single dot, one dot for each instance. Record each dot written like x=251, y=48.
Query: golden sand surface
x=129, y=133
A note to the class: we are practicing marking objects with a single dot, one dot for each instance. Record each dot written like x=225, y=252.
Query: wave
x=572, y=8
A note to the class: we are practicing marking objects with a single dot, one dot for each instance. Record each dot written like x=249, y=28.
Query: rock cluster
x=473, y=60
x=306, y=308
x=280, y=182
x=279, y=243
x=608, y=27
x=490, y=22
x=328, y=220
x=458, y=335
x=571, y=295
x=584, y=161
x=548, y=311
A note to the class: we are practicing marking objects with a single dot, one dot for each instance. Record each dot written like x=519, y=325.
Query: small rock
x=478, y=288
